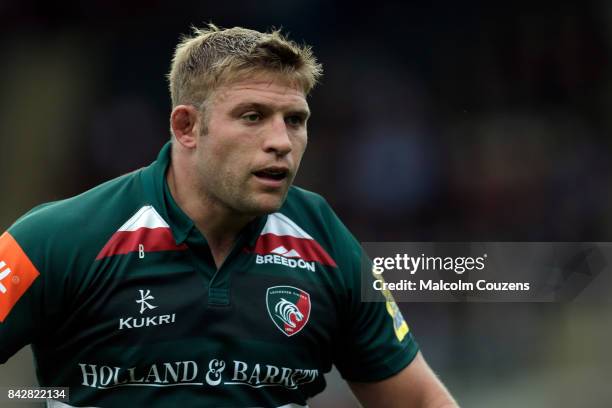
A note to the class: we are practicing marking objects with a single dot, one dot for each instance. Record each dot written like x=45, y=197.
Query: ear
x=184, y=124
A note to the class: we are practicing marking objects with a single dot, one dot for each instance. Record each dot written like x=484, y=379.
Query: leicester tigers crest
x=288, y=307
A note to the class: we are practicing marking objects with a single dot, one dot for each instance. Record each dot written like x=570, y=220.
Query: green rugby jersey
x=118, y=293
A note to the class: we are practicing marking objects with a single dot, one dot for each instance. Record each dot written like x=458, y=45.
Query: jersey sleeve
x=21, y=297
x=375, y=341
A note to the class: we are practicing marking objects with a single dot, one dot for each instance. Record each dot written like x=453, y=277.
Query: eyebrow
x=244, y=106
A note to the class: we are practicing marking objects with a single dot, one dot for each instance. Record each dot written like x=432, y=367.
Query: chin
x=268, y=205
x=268, y=209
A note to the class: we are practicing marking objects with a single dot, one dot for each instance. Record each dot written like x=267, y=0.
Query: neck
x=219, y=224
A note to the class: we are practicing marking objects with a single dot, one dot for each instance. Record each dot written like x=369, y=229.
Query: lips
x=272, y=173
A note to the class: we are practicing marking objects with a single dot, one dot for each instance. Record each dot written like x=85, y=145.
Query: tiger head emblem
x=284, y=310
x=288, y=307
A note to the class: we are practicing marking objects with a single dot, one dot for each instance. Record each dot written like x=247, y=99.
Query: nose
x=278, y=139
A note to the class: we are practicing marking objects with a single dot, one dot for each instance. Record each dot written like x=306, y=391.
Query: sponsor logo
x=17, y=273
x=289, y=308
x=215, y=368
x=154, y=375
x=188, y=373
x=399, y=324
x=281, y=250
x=260, y=375
x=144, y=305
x=142, y=321
x=3, y=274
x=400, y=327
x=282, y=256
x=283, y=242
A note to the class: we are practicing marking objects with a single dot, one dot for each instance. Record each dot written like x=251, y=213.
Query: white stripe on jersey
x=279, y=224
x=146, y=217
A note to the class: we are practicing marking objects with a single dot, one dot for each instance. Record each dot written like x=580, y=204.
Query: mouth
x=273, y=175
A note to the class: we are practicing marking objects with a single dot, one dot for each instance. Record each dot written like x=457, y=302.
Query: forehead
x=270, y=89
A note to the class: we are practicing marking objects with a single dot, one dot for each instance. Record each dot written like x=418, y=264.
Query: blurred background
x=436, y=121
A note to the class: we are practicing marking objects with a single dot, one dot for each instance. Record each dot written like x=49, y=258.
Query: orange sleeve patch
x=16, y=273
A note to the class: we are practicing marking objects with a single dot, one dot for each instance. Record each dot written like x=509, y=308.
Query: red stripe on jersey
x=309, y=249
x=153, y=240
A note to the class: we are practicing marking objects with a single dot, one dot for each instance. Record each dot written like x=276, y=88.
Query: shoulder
x=83, y=222
x=301, y=201
x=312, y=213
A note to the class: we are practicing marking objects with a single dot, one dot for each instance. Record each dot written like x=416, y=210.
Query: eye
x=251, y=117
x=295, y=120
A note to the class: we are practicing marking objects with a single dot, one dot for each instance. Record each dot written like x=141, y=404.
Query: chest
x=252, y=317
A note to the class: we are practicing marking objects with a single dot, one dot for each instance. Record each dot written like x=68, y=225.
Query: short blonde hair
x=213, y=56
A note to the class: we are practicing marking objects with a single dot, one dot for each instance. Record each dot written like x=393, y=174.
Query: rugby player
x=206, y=279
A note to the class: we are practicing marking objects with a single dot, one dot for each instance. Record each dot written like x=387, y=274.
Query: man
x=205, y=279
